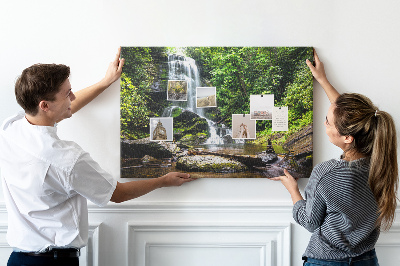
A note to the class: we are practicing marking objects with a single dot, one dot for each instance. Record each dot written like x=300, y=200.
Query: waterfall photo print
x=216, y=112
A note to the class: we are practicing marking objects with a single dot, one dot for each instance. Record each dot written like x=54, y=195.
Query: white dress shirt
x=46, y=182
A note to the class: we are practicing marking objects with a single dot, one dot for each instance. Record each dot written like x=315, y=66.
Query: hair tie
x=376, y=111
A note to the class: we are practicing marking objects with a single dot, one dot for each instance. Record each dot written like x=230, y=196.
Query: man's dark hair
x=37, y=83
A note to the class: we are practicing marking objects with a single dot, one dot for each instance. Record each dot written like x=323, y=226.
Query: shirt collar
x=49, y=129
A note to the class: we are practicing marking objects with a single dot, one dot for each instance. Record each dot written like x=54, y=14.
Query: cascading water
x=184, y=68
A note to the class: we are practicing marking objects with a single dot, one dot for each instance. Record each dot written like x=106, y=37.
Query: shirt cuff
x=110, y=193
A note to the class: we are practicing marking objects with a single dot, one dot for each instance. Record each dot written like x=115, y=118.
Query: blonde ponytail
x=383, y=175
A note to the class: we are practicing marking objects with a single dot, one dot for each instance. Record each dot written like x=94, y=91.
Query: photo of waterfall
x=205, y=93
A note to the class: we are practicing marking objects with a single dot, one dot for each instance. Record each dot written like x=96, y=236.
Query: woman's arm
x=318, y=72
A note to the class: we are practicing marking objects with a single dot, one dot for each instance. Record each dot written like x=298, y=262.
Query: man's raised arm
x=85, y=96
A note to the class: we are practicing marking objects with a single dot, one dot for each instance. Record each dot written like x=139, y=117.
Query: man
x=47, y=181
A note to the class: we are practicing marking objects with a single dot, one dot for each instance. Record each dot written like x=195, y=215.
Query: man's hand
x=175, y=179
x=114, y=69
x=85, y=96
x=133, y=189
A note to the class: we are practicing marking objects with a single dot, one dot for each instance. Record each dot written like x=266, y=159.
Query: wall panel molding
x=5, y=249
x=388, y=246
x=194, y=207
x=261, y=231
x=243, y=207
x=90, y=254
x=209, y=243
x=3, y=233
x=390, y=238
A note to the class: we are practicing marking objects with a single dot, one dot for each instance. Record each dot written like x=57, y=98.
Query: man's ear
x=43, y=105
x=348, y=139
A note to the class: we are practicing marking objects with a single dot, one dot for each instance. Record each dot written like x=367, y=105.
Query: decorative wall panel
x=209, y=244
x=5, y=249
x=90, y=253
x=198, y=234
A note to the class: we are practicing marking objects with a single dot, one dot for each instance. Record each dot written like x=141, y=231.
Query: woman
x=348, y=200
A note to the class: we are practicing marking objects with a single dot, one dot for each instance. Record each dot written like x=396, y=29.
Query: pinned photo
x=243, y=127
x=161, y=129
x=280, y=119
x=206, y=97
x=177, y=90
x=261, y=106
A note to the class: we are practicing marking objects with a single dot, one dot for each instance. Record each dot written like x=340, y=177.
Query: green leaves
x=134, y=110
x=143, y=89
x=239, y=72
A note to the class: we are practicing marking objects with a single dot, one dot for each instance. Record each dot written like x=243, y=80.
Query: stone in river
x=209, y=163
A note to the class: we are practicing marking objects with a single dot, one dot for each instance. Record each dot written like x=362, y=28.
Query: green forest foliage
x=236, y=72
x=134, y=110
x=140, y=99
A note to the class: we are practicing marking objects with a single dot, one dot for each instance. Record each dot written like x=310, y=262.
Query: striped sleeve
x=310, y=213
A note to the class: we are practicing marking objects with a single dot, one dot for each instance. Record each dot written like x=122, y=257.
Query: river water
x=233, y=149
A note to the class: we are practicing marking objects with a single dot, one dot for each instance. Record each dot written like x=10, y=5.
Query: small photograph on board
x=161, y=129
x=177, y=90
x=243, y=127
x=261, y=106
x=206, y=97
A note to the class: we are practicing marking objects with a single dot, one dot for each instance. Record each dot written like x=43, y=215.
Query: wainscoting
x=198, y=234
x=209, y=244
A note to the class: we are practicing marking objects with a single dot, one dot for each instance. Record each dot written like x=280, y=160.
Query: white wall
x=357, y=40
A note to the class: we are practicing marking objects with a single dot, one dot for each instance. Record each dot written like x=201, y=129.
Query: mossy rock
x=142, y=147
x=191, y=140
x=209, y=163
x=189, y=123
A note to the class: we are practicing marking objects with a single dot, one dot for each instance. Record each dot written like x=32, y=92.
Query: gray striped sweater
x=339, y=209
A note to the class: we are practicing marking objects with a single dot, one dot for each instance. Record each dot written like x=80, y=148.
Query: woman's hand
x=319, y=74
x=291, y=185
x=318, y=70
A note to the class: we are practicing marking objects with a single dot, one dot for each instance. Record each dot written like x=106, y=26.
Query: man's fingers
x=121, y=64
x=182, y=175
x=118, y=55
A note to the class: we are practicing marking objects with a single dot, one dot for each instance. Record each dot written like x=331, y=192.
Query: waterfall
x=184, y=68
